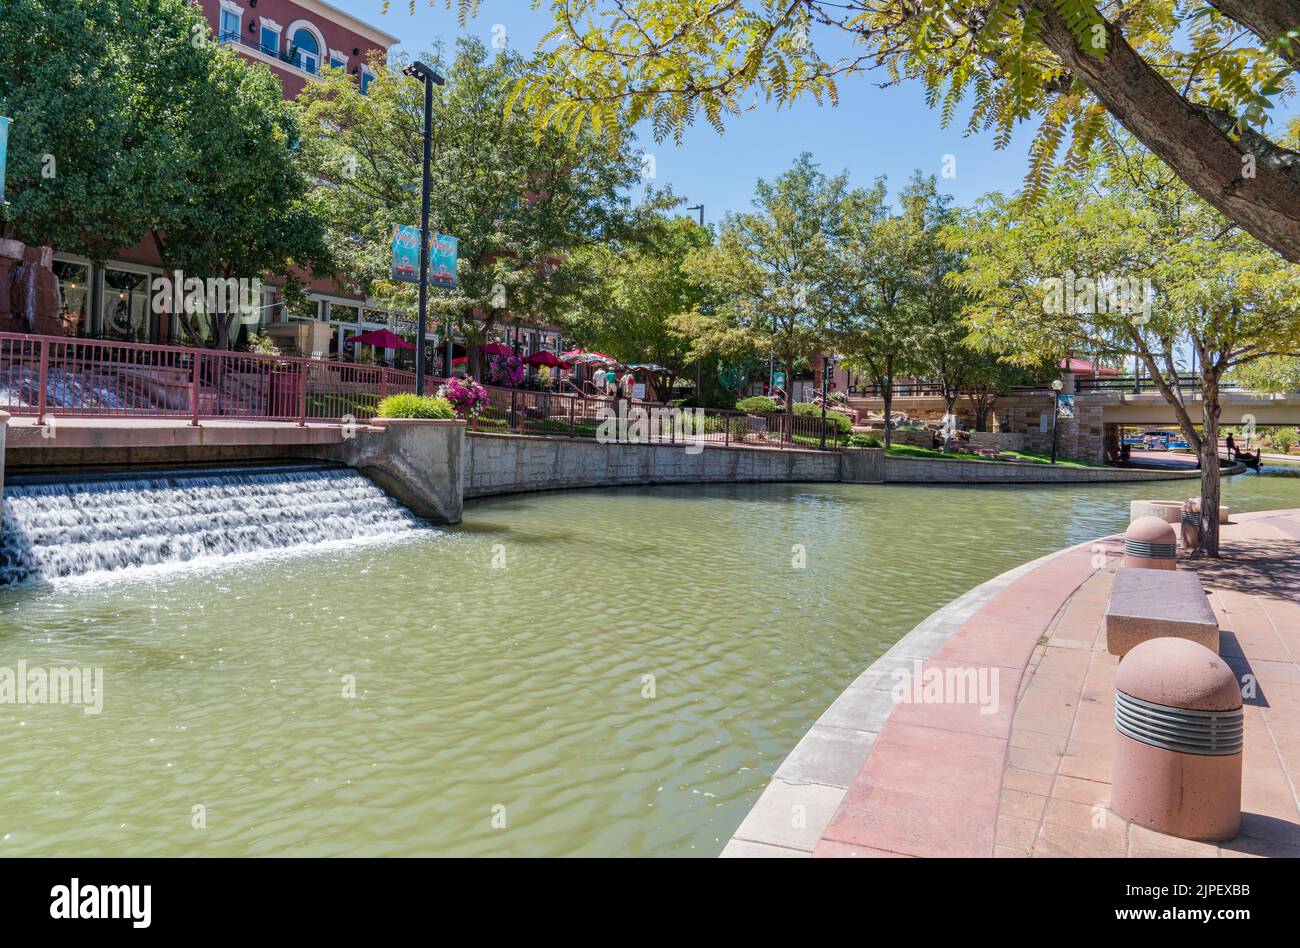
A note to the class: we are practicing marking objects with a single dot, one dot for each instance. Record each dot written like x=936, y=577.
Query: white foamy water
x=59, y=531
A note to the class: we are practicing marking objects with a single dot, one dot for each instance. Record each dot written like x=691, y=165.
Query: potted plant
x=465, y=395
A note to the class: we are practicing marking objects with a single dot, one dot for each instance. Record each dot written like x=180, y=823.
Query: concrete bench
x=1153, y=603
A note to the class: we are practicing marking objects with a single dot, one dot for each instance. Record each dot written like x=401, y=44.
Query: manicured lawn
x=907, y=451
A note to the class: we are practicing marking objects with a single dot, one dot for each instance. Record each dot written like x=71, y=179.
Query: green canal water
x=500, y=709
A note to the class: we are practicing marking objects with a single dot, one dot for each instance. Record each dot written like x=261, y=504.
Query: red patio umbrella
x=496, y=349
x=543, y=357
x=575, y=356
x=381, y=339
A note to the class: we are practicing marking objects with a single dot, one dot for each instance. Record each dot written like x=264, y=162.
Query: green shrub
x=408, y=405
x=756, y=405
x=865, y=441
x=739, y=427
x=841, y=420
x=1283, y=438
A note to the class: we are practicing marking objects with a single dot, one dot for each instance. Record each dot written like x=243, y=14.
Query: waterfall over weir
x=66, y=529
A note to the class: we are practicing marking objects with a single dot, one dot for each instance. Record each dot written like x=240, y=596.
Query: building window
x=126, y=312
x=306, y=51
x=74, y=296
x=231, y=23
x=269, y=39
x=366, y=78
x=338, y=60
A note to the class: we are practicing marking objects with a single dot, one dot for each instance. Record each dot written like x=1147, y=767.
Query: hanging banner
x=406, y=254
x=1064, y=406
x=4, y=153
x=442, y=261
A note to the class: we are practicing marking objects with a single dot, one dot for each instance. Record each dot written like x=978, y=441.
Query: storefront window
x=74, y=295
x=340, y=312
x=125, y=313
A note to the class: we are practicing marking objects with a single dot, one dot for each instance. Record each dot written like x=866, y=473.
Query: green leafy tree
x=1197, y=81
x=1275, y=375
x=130, y=120
x=235, y=199
x=1126, y=260
x=638, y=286
x=522, y=206
x=85, y=158
x=988, y=377
x=883, y=285
x=769, y=270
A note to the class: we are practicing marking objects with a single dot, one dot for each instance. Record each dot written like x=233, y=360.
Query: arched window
x=306, y=54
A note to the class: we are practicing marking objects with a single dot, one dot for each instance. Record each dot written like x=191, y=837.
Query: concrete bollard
x=1150, y=543
x=1191, y=521
x=1166, y=510
x=1179, y=731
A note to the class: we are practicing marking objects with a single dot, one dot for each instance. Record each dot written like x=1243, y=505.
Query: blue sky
x=872, y=132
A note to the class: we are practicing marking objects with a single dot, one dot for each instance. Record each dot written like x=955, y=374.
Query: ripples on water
x=519, y=687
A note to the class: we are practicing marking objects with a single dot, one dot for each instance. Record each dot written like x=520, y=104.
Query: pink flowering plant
x=507, y=370
x=466, y=396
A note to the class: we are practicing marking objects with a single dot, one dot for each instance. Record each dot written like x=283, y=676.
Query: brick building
x=296, y=40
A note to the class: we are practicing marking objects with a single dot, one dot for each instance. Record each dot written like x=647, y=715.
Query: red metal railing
x=94, y=378
x=526, y=411
x=55, y=375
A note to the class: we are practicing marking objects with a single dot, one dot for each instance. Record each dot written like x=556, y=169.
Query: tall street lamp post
x=828, y=368
x=430, y=78
x=700, y=208
x=1056, y=411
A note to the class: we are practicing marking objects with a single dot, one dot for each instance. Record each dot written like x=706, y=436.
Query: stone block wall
x=1081, y=438
x=510, y=464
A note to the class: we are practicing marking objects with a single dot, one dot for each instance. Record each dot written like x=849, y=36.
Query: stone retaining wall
x=903, y=470
x=511, y=464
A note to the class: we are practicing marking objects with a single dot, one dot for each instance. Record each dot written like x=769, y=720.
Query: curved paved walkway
x=1022, y=768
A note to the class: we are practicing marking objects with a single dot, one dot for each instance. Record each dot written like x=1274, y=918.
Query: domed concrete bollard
x=1178, y=743
x=1167, y=510
x=1150, y=543
x=1190, y=528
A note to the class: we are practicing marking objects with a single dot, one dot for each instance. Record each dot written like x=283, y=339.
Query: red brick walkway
x=1032, y=778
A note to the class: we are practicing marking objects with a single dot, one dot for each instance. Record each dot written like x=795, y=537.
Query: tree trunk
x=887, y=394
x=1196, y=141
x=982, y=405
x=1266, y=19
x=1210, y=480
x=950, y=423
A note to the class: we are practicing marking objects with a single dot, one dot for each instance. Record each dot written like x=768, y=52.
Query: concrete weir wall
x=510, y=464
x=419, y=462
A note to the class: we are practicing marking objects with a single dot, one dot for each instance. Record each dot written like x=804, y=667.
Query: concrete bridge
x=1098, y=414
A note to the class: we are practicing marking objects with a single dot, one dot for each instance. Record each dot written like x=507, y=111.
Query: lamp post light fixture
x=1056, y=410
x=430, y=78
x=828, y=369
x=700, y=208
